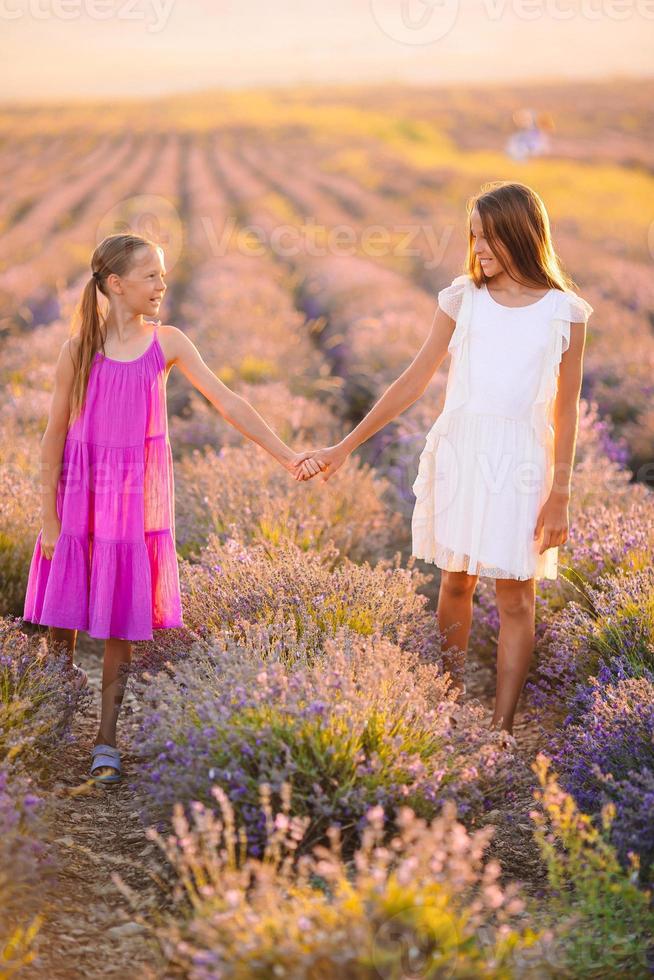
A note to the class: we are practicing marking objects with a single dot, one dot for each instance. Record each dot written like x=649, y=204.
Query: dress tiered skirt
x=113, y=572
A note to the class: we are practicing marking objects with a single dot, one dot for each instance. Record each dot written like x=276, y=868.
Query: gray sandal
x=80, y=677
x=105, y=755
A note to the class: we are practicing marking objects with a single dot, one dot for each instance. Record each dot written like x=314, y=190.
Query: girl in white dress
x=493, y=482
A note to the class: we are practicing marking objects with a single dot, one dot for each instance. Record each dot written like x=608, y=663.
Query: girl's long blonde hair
x=115, y=253
x=517, y=228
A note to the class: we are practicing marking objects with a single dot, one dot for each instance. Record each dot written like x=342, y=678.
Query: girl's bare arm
x=553, y=519
x=234, y=409
x=52, y=448
x=410, y=385
x=402, y=393
x=566, y=409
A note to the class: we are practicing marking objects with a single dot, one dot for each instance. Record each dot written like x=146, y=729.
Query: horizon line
x=552, y=81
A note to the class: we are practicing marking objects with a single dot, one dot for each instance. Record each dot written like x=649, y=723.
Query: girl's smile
x=489, y=263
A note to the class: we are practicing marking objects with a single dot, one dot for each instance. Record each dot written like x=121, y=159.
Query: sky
x=80, y=49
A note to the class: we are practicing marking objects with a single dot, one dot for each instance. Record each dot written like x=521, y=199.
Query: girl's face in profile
x=144, y=285
x=489, y=263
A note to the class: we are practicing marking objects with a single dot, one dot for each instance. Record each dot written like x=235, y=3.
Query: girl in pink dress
x=104, y=560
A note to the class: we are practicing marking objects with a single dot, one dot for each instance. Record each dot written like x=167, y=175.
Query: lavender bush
x=423, y=901
x=310, y=594
x=237, y=493
x=596, y=680
x=19, y=502
x=37, y=706
x=604, y=920
x=607, y=755
x=613, y=629
x=365, y=724
x=632, y=831
x=605, y=542
x=25, y=864
x=416, y=897
x=37, y=699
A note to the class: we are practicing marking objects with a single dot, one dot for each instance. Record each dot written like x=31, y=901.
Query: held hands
x=552, y=523
x=311, y=462
x=298, y=463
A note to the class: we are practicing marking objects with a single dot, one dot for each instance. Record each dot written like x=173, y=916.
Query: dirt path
x=513, y=842
x=90, y=930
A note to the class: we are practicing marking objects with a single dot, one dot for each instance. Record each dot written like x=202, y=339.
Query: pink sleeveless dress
x=114, y=569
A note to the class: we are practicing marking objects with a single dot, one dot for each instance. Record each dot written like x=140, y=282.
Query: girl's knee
x=118, y=648
x=458, y=584
x=515, y=597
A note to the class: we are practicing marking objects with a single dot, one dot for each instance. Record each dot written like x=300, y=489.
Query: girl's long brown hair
x=115, y=253
x=517, y=228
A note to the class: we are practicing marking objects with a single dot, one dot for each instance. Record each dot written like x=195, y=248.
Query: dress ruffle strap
x=458, y=296
x=458, y=380
x=573, y=308
x=568, y=308
x=451, y=297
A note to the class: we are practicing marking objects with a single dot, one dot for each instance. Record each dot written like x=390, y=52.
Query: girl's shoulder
x=451, y=297
x=68, y=355
x=569, y=306
x=167, y=334
x=72, y=343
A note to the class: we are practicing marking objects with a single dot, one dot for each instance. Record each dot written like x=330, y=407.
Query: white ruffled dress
x=488, y=463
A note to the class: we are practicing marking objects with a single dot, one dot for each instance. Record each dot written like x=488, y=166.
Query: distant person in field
x=494, y=478
x=531, y=138
x=104, y=560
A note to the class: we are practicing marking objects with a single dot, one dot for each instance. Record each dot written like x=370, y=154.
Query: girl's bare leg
x=516, y=602
x=69, y=637
x=455, y=611
x=114, y=682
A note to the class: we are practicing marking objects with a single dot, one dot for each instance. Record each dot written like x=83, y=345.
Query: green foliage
x=606, y=922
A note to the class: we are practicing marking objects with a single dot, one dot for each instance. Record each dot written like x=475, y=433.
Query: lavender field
x=298, y=800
